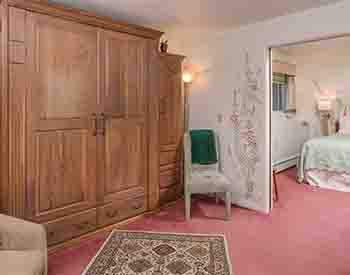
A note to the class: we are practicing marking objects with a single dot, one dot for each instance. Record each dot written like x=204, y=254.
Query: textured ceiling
x=208, y=14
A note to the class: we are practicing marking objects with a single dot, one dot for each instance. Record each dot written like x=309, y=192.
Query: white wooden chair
x=204, y=179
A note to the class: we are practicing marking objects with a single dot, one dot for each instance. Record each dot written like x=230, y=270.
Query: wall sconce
x=325, y=101
x=187, y=77
x=325, y=107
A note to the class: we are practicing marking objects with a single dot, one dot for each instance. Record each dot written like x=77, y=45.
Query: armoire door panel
x=65, y=60
x=61, y=160
x=62, y=173
x=125, y=156
x=170, y=102
x=61, y=125
x=113, y=69
x=123, y=89
x=136, y=78
x=123, y=73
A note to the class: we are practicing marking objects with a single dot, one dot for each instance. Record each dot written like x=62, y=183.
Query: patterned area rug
x=130, y=253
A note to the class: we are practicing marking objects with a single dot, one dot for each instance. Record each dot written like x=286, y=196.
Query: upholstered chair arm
x=16, y=234
x=19, y=235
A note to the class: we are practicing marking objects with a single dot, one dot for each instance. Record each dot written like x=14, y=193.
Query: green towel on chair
x=203, y=147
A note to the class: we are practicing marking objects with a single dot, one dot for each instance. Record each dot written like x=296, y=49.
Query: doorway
x=310, y=114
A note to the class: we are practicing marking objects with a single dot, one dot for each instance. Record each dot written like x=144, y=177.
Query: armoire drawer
x=168, y=157
x=169, y=178
x=121, y=210
x=71, y=226
x=170, y=194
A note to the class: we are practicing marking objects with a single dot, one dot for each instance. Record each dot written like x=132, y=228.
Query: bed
x=325, y=161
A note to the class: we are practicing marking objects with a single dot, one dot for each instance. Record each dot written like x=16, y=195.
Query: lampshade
x=187, y=77
x=325, y=101
x=324, y=104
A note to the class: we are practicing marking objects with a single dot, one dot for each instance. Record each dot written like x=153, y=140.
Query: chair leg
x=275, y=186
x=228, y=205
x=188, y=206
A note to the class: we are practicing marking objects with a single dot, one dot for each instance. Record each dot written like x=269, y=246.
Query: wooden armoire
x=91, y=119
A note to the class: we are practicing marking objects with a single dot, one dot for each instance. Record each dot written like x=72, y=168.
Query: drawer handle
x=112, y=214
x=137, y=206
x=82, y=226
x=94, y=118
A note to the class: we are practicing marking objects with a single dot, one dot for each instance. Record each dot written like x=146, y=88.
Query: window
x=279, y=92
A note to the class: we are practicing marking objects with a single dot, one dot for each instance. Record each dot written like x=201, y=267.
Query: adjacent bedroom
x=310, y=117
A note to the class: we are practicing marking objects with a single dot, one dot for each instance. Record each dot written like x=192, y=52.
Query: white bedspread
x=325, y=162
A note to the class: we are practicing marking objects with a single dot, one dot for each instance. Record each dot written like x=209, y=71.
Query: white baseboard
x=286, y=163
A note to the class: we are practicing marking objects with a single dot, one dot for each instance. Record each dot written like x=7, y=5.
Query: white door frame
x=269, y=101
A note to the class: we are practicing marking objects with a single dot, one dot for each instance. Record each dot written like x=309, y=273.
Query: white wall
x=283, y=56
x=221, y=57
x=330, y=67
x=287, y=136
x=287, y=132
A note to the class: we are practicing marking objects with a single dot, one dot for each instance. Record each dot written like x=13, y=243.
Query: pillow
x=344, y=121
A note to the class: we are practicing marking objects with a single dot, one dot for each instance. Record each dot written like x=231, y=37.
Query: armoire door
x=171, y=124
x=122, y=148
x=171, y=106
x=61, y=103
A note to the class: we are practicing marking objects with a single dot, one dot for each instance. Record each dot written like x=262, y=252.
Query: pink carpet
x=308, y=233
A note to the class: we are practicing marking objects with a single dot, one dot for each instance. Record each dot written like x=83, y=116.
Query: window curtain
x=283, y=93
x=279, y=92
x=291, y=105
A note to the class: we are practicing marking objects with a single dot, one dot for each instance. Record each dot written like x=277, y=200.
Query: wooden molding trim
x=153, y=128
x=172, y=62
x=84, y=17
x=177, y=56
x=5, y=206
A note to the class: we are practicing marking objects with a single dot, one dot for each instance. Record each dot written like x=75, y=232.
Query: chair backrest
x=189, y=166
x=187, y=157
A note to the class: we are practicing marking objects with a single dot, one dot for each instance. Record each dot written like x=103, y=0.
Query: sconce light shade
x=187, y=77
x=325, y=101
x=324, y=105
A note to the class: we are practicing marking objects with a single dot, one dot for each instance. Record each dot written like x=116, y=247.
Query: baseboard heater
x=285, y=163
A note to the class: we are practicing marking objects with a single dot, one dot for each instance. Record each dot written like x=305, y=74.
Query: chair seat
x=28, y=262
x=209, y=181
